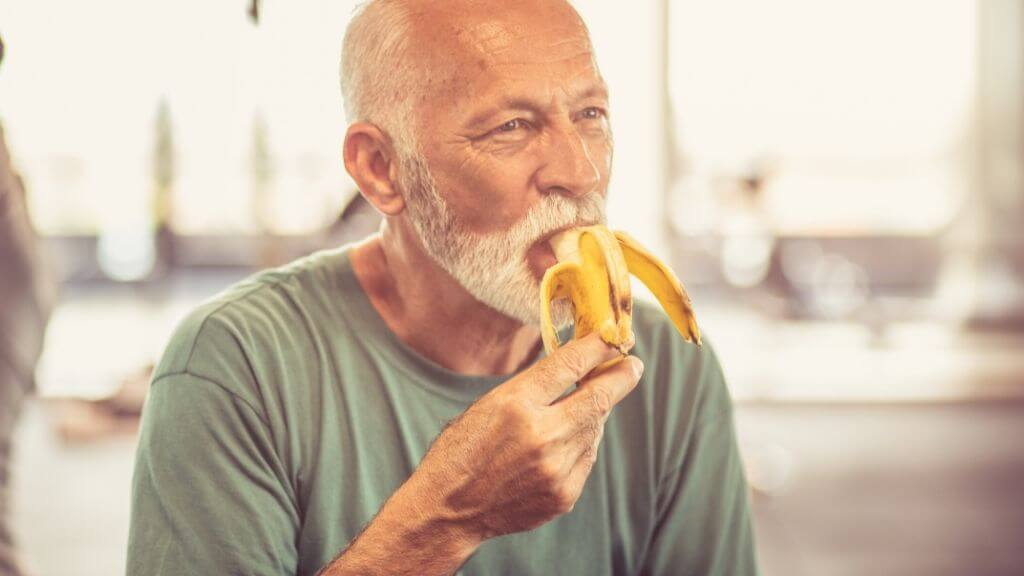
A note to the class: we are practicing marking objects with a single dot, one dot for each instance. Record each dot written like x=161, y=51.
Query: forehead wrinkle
x=485, y=32
x=541, y=60
x=499, y=51
x=503, y=33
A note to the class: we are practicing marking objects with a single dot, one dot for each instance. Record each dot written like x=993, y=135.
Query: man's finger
x=550, y=377
x=595, y=397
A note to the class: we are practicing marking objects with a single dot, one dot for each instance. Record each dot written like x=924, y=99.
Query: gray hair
x=378, y=79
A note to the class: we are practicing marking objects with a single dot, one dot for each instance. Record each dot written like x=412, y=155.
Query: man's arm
x=408, y=536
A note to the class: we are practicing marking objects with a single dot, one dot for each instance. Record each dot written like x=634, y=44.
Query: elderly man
x=387, y=408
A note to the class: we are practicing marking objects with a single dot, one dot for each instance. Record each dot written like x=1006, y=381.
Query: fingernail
x=638, y=366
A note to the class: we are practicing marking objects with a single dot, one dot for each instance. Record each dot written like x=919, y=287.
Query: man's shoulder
x=658, y=337
x=253, y=323
x=683, y=376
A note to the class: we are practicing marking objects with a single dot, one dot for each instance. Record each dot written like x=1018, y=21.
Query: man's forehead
x=488, y=32
x=501, y=38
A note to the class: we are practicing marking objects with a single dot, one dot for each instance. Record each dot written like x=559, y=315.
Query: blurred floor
x=70, y=502
x=914, y=490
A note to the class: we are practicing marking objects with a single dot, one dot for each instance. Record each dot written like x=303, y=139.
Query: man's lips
x=545, y=238
x=547, y=256
x=540, y=257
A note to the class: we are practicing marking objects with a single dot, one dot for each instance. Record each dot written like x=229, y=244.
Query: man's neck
x=433, y=314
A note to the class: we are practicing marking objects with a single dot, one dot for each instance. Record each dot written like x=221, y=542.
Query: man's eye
x=593, y=113
x=511, y=125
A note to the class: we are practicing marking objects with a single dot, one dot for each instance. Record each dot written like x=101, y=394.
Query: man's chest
x=369, y=447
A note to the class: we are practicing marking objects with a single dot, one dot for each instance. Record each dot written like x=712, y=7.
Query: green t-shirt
x=284, y=412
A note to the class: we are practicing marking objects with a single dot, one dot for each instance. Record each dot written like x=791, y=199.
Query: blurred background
x=839, y=183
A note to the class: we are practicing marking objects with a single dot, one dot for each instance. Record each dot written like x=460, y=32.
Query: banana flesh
x=593, y=269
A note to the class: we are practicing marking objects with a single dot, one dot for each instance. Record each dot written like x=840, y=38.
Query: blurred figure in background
x=26, y=299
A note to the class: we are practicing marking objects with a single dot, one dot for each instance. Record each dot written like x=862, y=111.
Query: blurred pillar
x=630, y=42
x=996, y=215
x=1000, y=162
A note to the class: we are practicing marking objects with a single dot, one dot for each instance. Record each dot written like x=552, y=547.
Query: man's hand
x=516, y=459
x=519, y=456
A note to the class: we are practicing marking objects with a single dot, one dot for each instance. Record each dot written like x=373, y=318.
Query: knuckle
x=574, y=361
x=533, y=439
x=511, y=410
x=565, y=500
x=541, y=371
x=589, y=455
x=544, y=373
x=547, y=475
x=592, y=432
x=592, y=428
x=578, y=413
x=602, y=401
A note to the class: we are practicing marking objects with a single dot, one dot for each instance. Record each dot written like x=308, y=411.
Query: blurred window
x=250, y=133
x=856, y=114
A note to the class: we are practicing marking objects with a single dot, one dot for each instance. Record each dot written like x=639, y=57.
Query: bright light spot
x=126, y=255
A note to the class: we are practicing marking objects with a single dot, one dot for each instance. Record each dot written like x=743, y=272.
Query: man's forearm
x=408, y=536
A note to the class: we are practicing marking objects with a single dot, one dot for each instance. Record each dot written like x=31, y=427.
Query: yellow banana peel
x=593, y=269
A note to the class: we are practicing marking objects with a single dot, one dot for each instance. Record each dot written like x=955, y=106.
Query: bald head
x=402, y=58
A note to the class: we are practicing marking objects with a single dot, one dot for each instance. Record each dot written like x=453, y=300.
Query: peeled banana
x=593, y=269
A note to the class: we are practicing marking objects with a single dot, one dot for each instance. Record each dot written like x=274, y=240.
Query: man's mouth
x=541, y=253
x=547, y=256
x=546, y=237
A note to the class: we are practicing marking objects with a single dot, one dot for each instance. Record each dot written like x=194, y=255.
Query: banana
x=593, y=269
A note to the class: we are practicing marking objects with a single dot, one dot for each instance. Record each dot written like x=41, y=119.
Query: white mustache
x=554, y=213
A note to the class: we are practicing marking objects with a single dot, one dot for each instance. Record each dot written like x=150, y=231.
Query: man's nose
x=568, y=167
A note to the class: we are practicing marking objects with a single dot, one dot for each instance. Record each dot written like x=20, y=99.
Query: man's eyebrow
x=534, y=105
x=593, y=91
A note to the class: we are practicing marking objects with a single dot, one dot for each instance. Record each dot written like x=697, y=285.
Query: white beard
x=493, y=268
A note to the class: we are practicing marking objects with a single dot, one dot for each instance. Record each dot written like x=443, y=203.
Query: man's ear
x=370, y=160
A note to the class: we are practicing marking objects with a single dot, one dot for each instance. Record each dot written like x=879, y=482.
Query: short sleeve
x=704, y=526
x=209, y=495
